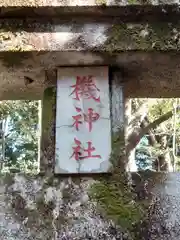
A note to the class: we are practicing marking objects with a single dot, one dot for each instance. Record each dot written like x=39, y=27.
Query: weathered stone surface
x=148, y=75
x=47, y=207
x=83, y=2
x=166, y=213
x=35, y=207
x=71, y=36
x=47, y=158
x=15, y=66
x=50, y=208
x=103, y=44
x=144, y=74
x=36, y=3
x=126, y=13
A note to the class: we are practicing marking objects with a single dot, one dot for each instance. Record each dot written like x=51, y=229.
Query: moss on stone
x=48, y=130
x=36, y=3
x=121, y=37
x=101, y=2
x=114, y=196
x=13, y=94
x=16, y=51
x=131, y=2
x=49, y=181
x=140, y=2
x=21, y=3
x=48, y=114
x=160, y=36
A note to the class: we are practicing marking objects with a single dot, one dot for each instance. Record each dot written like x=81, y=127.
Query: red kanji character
x=90, y=117
x=77, y=151
x=85, y=86
x=89, y=151
x=77, y=119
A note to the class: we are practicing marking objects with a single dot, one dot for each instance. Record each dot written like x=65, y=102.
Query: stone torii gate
x=139, y=43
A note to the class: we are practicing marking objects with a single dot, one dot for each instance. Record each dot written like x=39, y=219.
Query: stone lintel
x=30, y=35
x=144, y=73
x=127, y=13
x=38, y=3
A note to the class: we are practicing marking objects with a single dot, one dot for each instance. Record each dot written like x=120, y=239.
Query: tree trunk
x=152, y=139
x=130, y=156
x=132, y=161
x=166, y=160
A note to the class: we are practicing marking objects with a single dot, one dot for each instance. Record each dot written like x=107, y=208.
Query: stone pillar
x=117, y=115
x=55, y=207
x=47, y=157
x=165, y=217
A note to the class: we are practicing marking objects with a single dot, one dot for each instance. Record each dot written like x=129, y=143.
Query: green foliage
x=162, y=133
x=21, y=139
x=159, y=108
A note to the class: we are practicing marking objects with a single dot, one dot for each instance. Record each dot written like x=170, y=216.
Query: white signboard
x=83, y=127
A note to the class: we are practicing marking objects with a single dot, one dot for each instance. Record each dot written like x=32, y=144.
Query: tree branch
x=135, y=138
x=152, y=137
